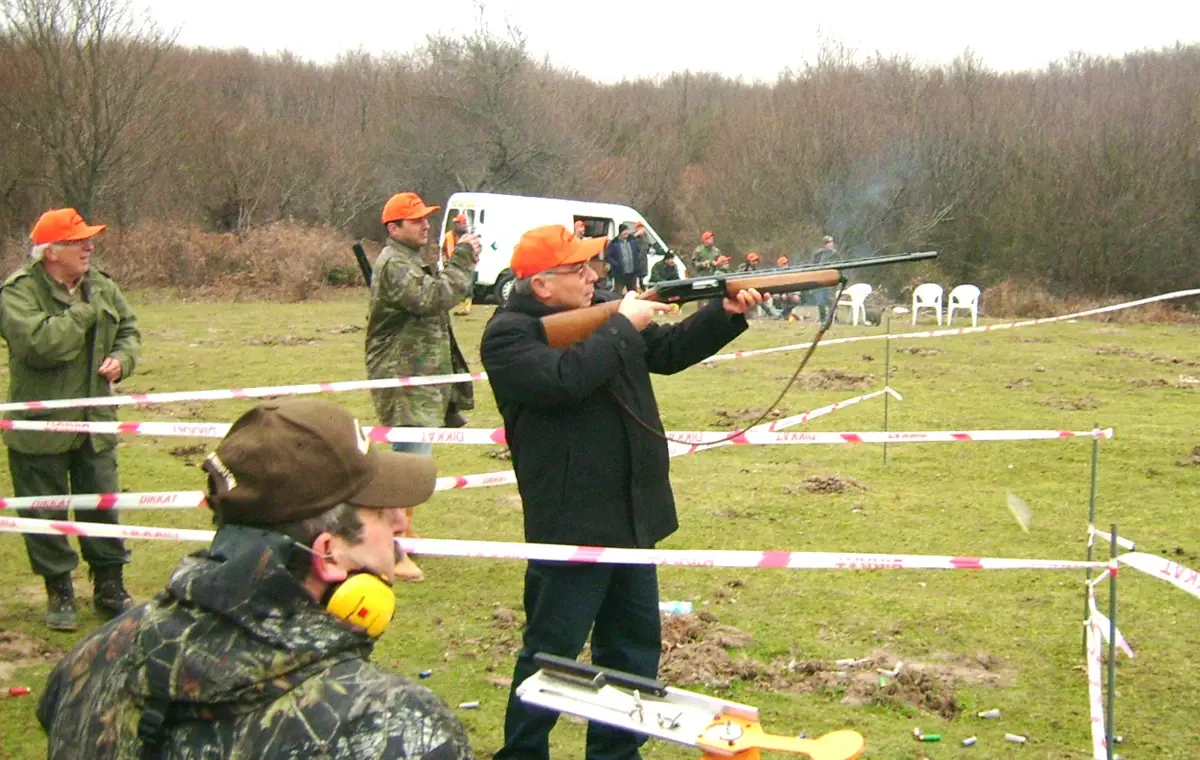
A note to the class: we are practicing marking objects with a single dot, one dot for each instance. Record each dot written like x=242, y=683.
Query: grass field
x=970, y=640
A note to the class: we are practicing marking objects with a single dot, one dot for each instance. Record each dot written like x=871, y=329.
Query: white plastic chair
x=928, y=296
x=855, y=296
x=964, y=298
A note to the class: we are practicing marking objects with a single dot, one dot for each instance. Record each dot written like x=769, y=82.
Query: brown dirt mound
x=739, y=416
x=18, y=650
x=695, y=652
x=1072, y=405
x=827, y=484
x=834, y=380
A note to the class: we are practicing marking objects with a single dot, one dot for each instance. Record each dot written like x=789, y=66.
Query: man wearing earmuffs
x=259, y=646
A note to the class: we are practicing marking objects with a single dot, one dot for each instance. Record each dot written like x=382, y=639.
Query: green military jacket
x=409, y=333
x=704, y=259
x=235, y=660
x=56, y=344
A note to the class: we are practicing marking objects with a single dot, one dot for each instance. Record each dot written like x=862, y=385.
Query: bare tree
x=87, y=89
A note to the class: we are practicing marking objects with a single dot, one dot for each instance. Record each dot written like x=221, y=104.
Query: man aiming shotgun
x=565, y=328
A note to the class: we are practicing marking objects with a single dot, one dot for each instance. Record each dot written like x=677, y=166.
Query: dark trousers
x=562, y=603
x=624, y=283
x=824, y=299
x=80, y=471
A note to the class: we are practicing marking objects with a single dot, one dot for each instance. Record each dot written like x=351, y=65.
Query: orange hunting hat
x=63, y=225
x=460, y=219
x=782, y=261
x=752, y=256
x=707, y=235
x=551, y=246
x=403, y=206
x=722, y=259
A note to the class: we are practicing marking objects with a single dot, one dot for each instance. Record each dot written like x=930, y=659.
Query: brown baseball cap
x=293, y=459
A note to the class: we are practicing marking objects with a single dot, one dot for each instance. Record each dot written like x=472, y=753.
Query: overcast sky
x=615, y=39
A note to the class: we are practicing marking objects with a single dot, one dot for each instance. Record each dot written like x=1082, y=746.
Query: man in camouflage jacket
x=70, y=334
x=239, y=657
x=409, y=332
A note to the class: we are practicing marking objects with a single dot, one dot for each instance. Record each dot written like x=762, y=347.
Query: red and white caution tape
x=193, y=499
x=959, y=330
x=1106, y=626
x=232, y=393
x=104, y=501
x=724, y=558
x=686, y=441
x=1164, y=569
x=99, y=530
x=1124, y=543
x=1096, y=691
x=594, y=554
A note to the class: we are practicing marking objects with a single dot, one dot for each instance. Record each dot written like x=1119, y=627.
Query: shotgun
x=363, y=264
x=567, y=328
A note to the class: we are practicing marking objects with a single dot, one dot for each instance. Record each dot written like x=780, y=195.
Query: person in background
x=787, y=302
x=665, y=270
x=621, y=255
x=750, y=264
x=705, y=255
x=826, y=254
x=641, y=254
x=409, y=331
x=70, y=334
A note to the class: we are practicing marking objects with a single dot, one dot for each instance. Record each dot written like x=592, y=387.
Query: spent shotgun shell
x=969, y=741
x=425, y=673
x=930, y=737
x=18, y=691
x=989, y=714
x=468, y=705
x=1015, y=738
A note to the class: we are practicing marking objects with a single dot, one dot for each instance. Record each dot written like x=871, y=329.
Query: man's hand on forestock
x=744, y=301
x=640, y=312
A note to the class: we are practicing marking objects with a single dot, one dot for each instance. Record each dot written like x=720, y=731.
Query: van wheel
x=503, y=287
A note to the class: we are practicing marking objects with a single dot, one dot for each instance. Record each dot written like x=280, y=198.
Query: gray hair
x=341, y=520
x=37, y=252
x=523, y=286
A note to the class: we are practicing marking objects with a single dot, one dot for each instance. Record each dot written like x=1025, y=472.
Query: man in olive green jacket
x=409, y=332
x=70, y=334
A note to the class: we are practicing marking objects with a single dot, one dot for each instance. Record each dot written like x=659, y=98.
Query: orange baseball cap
x=63, y=225
x=403, y=206
x=552, y=246
x=722, y=259
x=752, y=256
x=460, y=219
x=706, y=236
x=782, y=261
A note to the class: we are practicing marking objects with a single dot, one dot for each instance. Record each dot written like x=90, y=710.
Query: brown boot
x=61, y=614
x=407, y=570
x=109, y=596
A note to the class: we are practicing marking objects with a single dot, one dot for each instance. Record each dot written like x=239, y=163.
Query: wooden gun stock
x=566, y=328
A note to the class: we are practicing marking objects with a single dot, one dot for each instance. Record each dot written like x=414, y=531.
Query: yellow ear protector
x=365, y=601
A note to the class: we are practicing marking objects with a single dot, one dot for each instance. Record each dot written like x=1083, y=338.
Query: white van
x=500, y=221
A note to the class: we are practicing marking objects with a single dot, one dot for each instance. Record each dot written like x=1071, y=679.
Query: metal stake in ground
x=887, y=378
x=1091, y=544
x=1112, y=641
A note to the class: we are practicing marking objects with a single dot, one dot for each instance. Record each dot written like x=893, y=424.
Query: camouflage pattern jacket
x=409, y=333
x=704, y=259
x=56, y=342
x=243, y=665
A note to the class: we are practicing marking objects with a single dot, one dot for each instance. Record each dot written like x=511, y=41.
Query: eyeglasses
x=575, y=269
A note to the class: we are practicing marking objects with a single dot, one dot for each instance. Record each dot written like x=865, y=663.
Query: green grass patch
x=1009, y=640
